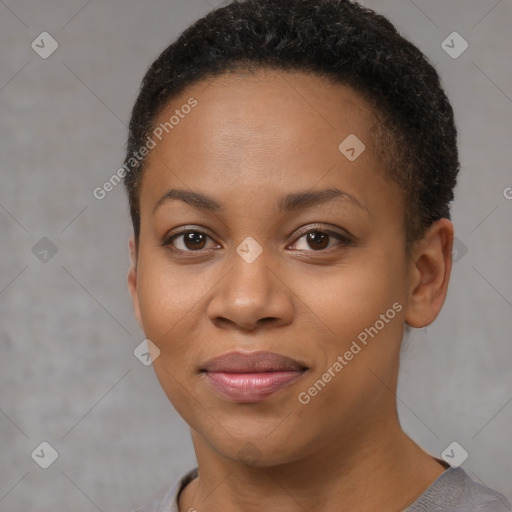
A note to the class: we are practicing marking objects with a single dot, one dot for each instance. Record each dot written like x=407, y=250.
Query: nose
x=251, y=296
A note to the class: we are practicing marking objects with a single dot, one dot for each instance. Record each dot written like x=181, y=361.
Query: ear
x=429, y=274
x=132, y=280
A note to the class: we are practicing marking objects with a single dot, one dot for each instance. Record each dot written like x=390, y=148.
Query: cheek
x=169, y=301
x=166, y=294
x=169, y=304
x=351, y=298
x=353, y=385
x=361, y=306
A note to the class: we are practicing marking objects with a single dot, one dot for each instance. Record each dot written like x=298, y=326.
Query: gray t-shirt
x=452, y=491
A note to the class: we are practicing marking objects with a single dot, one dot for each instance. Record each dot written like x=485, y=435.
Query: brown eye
x=192, y=241
x=319, y=240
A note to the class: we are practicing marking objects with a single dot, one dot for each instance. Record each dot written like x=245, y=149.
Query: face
x=270, y=260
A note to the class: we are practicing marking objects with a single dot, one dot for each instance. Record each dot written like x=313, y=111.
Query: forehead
x=264, y=129
x=267, y=101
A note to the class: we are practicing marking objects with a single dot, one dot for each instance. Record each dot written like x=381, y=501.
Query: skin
x=252, y=139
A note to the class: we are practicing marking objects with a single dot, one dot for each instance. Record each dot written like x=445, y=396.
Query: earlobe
x=431, y=264
x=132, y=280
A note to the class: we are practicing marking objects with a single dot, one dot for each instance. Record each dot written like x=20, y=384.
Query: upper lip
x=252, y=362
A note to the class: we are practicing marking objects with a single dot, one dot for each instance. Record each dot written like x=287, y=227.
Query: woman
x=290, y=168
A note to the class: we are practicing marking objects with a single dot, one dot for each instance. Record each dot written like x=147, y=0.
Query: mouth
x=251, y=376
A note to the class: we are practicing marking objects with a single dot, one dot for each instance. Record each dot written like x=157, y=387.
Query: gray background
x=68, y=375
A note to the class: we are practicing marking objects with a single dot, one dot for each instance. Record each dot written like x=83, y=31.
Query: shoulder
x=168, y=502
x=455, y=491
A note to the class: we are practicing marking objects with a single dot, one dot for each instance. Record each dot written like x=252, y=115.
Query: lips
x=251, y=362
x=251, y=376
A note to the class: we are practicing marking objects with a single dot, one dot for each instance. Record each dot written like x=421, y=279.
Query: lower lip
x=250, y=387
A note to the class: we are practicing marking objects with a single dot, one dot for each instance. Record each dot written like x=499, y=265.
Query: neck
x=381, y=470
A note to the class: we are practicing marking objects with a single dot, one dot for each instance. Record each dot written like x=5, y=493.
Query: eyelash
x=344, y=241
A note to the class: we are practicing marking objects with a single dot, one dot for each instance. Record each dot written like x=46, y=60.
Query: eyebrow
x=289, y=203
